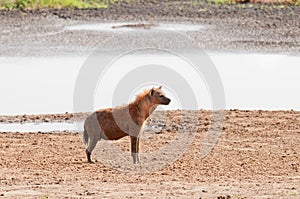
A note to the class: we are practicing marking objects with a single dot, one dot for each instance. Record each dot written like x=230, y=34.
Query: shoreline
x=265, y=29
x=75, y=117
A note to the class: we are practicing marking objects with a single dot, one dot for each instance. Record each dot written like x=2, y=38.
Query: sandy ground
x=257, y=156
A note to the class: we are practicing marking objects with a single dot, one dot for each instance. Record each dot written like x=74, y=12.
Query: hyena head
x=157, y=96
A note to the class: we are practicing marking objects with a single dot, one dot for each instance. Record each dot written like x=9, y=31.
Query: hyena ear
x=151, y=92
x=160, y=87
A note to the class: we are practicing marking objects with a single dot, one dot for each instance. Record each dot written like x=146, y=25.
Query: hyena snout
x=165, y=101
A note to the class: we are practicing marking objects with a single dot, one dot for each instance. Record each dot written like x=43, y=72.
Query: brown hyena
x=116, y=123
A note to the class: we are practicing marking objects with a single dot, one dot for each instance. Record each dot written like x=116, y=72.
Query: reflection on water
x=37, y=84
x=118, y=27
x=33, y=85
x=55, y=127
x=41, y=127
x=260, y=81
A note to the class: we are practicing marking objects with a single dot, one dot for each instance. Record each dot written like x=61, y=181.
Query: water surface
x=119, y=27
x=32, y=85
x=41, y=127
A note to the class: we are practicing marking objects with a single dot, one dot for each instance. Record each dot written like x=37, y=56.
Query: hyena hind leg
x=90, y=148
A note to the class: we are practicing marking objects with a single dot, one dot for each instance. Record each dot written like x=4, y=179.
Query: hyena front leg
x=137, y=150
x=134, y=149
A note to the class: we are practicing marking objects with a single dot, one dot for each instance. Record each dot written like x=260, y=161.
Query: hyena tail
x=85, y=136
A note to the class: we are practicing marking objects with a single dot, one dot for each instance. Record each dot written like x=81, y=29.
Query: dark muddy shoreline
x=184, y=10
x=242, y=27
x=159, y=115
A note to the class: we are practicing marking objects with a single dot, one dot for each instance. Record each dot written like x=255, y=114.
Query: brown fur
x=116, y=123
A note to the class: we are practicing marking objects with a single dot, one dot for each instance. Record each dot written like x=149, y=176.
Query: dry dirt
x=257, y=156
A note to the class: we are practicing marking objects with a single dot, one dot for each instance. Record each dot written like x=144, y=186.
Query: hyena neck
x=146, y=111
x=142, y=109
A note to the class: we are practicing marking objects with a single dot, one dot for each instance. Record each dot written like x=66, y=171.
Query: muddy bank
x=241, y=27
x=157, y=115
x=257, y=155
